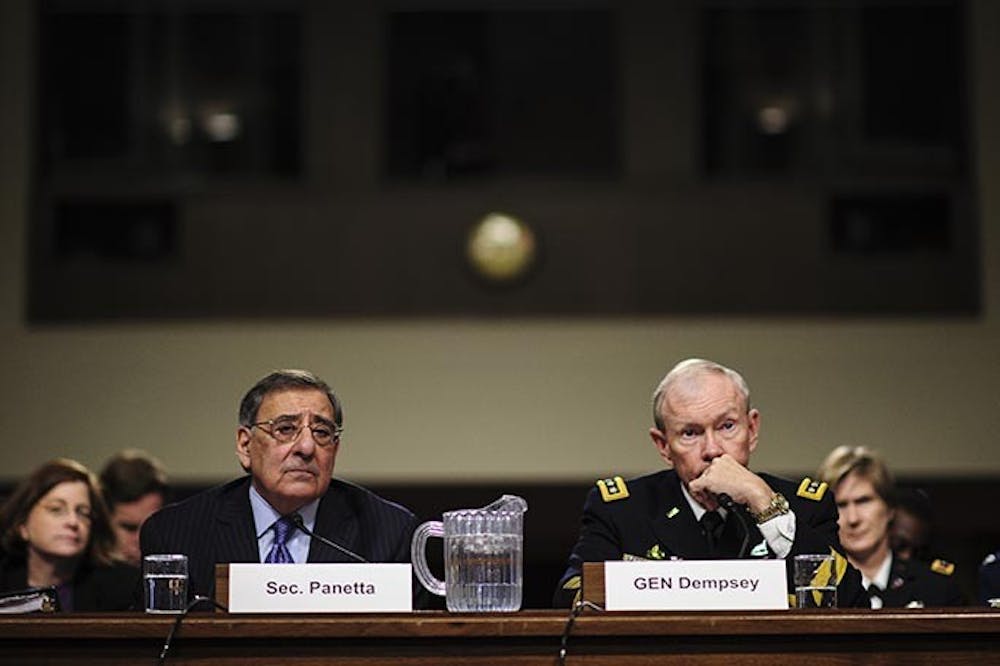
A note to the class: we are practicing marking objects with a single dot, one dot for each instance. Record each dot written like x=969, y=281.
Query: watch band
x=777, y=507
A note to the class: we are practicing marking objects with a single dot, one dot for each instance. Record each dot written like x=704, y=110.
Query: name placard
x=320, y=588
x=695, y=585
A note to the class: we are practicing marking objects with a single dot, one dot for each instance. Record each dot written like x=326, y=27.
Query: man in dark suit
x=705, y=429
x=287, y=441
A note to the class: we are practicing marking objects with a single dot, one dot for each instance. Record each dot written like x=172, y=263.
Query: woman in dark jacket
x=56, y=533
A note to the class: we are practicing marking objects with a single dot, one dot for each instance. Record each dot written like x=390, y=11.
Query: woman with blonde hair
x=866, y=499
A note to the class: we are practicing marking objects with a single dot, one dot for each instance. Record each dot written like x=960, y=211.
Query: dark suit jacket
x=95, y=588
x=655, y=521
x=216, y=526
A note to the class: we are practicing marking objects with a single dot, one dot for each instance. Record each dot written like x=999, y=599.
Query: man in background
x=863, y=488
x=912, y=524
x=134, y=484
x=705, y=429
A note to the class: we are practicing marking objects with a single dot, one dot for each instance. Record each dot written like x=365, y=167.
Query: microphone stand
x=300, y=524
x=729, y=505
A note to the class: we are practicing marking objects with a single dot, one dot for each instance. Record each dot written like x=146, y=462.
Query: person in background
x=290, y=423
x=135, y=487
x=706, y=429
x=989, y=580
x=56, y=533
x=864, y=492
x=910, y=532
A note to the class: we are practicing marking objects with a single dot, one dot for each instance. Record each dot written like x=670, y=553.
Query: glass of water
x=815, y=581
x=165, y=578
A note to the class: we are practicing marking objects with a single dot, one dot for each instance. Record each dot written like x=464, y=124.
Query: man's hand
x=725, y=475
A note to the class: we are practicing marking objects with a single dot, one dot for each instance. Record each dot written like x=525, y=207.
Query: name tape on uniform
x=695, y=585
x=320, y=588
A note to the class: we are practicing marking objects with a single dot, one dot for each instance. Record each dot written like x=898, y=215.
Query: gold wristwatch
x=777, y=507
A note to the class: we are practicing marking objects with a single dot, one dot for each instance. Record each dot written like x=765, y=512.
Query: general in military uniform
x=706, y=430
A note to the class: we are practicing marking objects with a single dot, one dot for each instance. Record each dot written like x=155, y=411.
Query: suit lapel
x=235, y=540
x=336, y=522
x=679, y=533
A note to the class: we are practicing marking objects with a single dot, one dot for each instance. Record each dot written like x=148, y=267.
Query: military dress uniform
x=916, y=584
x=649, y=518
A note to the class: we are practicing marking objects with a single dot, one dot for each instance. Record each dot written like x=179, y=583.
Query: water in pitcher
x=483, y=572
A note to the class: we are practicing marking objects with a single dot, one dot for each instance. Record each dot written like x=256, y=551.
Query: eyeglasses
x=287, y=431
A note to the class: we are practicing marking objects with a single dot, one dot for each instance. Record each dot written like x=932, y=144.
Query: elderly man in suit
x=289, y=431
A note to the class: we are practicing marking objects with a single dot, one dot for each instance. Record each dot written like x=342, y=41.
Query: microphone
x=729, y=505
x=724, y=500
x=300, y=524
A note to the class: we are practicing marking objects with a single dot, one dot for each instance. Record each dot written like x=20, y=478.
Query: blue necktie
x=279, y=551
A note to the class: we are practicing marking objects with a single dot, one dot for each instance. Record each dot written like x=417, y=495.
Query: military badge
x=942, y=567
x=612, y=489
x=811, y=489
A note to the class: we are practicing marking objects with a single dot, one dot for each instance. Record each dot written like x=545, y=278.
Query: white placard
x=320, y=588
x=695, y=585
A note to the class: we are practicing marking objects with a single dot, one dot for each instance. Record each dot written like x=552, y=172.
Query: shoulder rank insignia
x=811, y=489
x=612, y=489
x=942, y=567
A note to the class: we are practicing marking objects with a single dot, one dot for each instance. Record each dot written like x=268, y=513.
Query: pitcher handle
x=418, y=555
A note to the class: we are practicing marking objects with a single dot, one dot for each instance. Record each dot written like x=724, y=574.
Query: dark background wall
x=795, y=158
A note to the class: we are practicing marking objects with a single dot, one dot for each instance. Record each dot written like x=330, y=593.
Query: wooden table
x=528, y=638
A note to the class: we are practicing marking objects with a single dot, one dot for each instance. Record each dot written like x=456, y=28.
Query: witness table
x=527, y=638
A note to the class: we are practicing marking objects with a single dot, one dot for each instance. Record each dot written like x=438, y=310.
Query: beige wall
x=443, y=400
